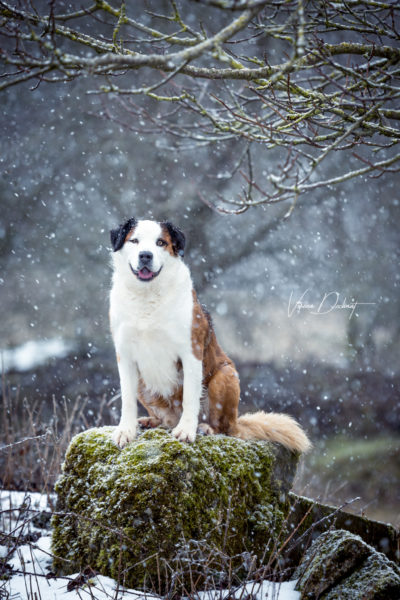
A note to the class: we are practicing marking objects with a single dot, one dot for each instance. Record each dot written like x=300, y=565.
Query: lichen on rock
x=341, y=566
x=377, y=579
x=331, y=557
x=130, y=513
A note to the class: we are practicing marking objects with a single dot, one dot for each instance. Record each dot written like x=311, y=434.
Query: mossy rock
x=331, y=557
x=308, y=519
x=341, y=566
x=377, y=579
x=132, y=514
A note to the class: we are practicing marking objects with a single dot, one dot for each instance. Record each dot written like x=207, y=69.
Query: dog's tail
x=274, y=427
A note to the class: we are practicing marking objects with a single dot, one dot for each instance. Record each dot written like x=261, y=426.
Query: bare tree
x=284, y=83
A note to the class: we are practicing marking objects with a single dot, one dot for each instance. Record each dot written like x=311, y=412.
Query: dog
x=167, y=352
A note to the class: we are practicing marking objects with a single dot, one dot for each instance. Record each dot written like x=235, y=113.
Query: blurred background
x=68, y=176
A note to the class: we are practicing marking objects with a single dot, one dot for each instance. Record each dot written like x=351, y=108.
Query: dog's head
x=147, y=246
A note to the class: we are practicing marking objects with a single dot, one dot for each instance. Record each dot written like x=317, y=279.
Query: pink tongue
x=145, y=273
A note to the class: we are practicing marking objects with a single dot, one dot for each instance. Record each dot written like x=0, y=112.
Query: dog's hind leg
x=224, y=396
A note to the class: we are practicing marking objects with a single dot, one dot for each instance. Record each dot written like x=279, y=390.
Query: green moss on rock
x=128, y=513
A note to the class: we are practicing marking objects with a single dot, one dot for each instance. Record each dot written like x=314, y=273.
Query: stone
x=309, y=518
x=332, y=556
x=377, y=579
x=133, y=514
x=341, y=566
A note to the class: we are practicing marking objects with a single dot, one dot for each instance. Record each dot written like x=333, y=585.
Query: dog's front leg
x=192, y=389
x=126, y=430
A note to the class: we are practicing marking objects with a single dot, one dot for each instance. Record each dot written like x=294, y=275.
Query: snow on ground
x=31, y=564
x=33, y=353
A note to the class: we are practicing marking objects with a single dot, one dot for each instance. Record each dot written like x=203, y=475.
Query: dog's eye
x=134, y=241
x=161, y=242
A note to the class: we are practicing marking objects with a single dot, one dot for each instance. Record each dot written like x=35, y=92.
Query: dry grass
x=35, y=434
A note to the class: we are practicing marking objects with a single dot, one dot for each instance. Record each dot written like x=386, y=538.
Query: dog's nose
x=145, y=257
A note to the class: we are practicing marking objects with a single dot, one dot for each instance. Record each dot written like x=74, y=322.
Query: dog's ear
x=177, y=238
x=119, y=234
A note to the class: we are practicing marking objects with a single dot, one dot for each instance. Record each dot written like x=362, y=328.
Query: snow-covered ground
x=30, y=564
x=33, y=353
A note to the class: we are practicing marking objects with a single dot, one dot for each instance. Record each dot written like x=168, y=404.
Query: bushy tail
x=274, y=427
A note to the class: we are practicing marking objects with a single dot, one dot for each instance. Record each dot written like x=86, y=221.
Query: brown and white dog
x=167, y=352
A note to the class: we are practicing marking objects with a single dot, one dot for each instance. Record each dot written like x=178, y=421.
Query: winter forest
x=268, y=132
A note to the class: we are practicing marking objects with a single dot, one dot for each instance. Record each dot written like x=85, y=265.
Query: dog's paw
x=149, y=422
x=205, y=429
x=184, y=433
x=123, y=435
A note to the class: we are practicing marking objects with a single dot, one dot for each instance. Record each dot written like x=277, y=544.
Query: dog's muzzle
x=144, y=273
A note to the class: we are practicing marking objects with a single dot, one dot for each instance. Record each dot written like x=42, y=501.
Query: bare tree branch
x=299, y=82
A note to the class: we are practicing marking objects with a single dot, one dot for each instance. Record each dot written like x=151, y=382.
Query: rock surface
x=131, y=513
x=341, y=566
x=377, y=579
x=332, y=557
x=309, y=518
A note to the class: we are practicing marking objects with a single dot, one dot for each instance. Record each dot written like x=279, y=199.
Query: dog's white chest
x=156, y=356
x=154, y=337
